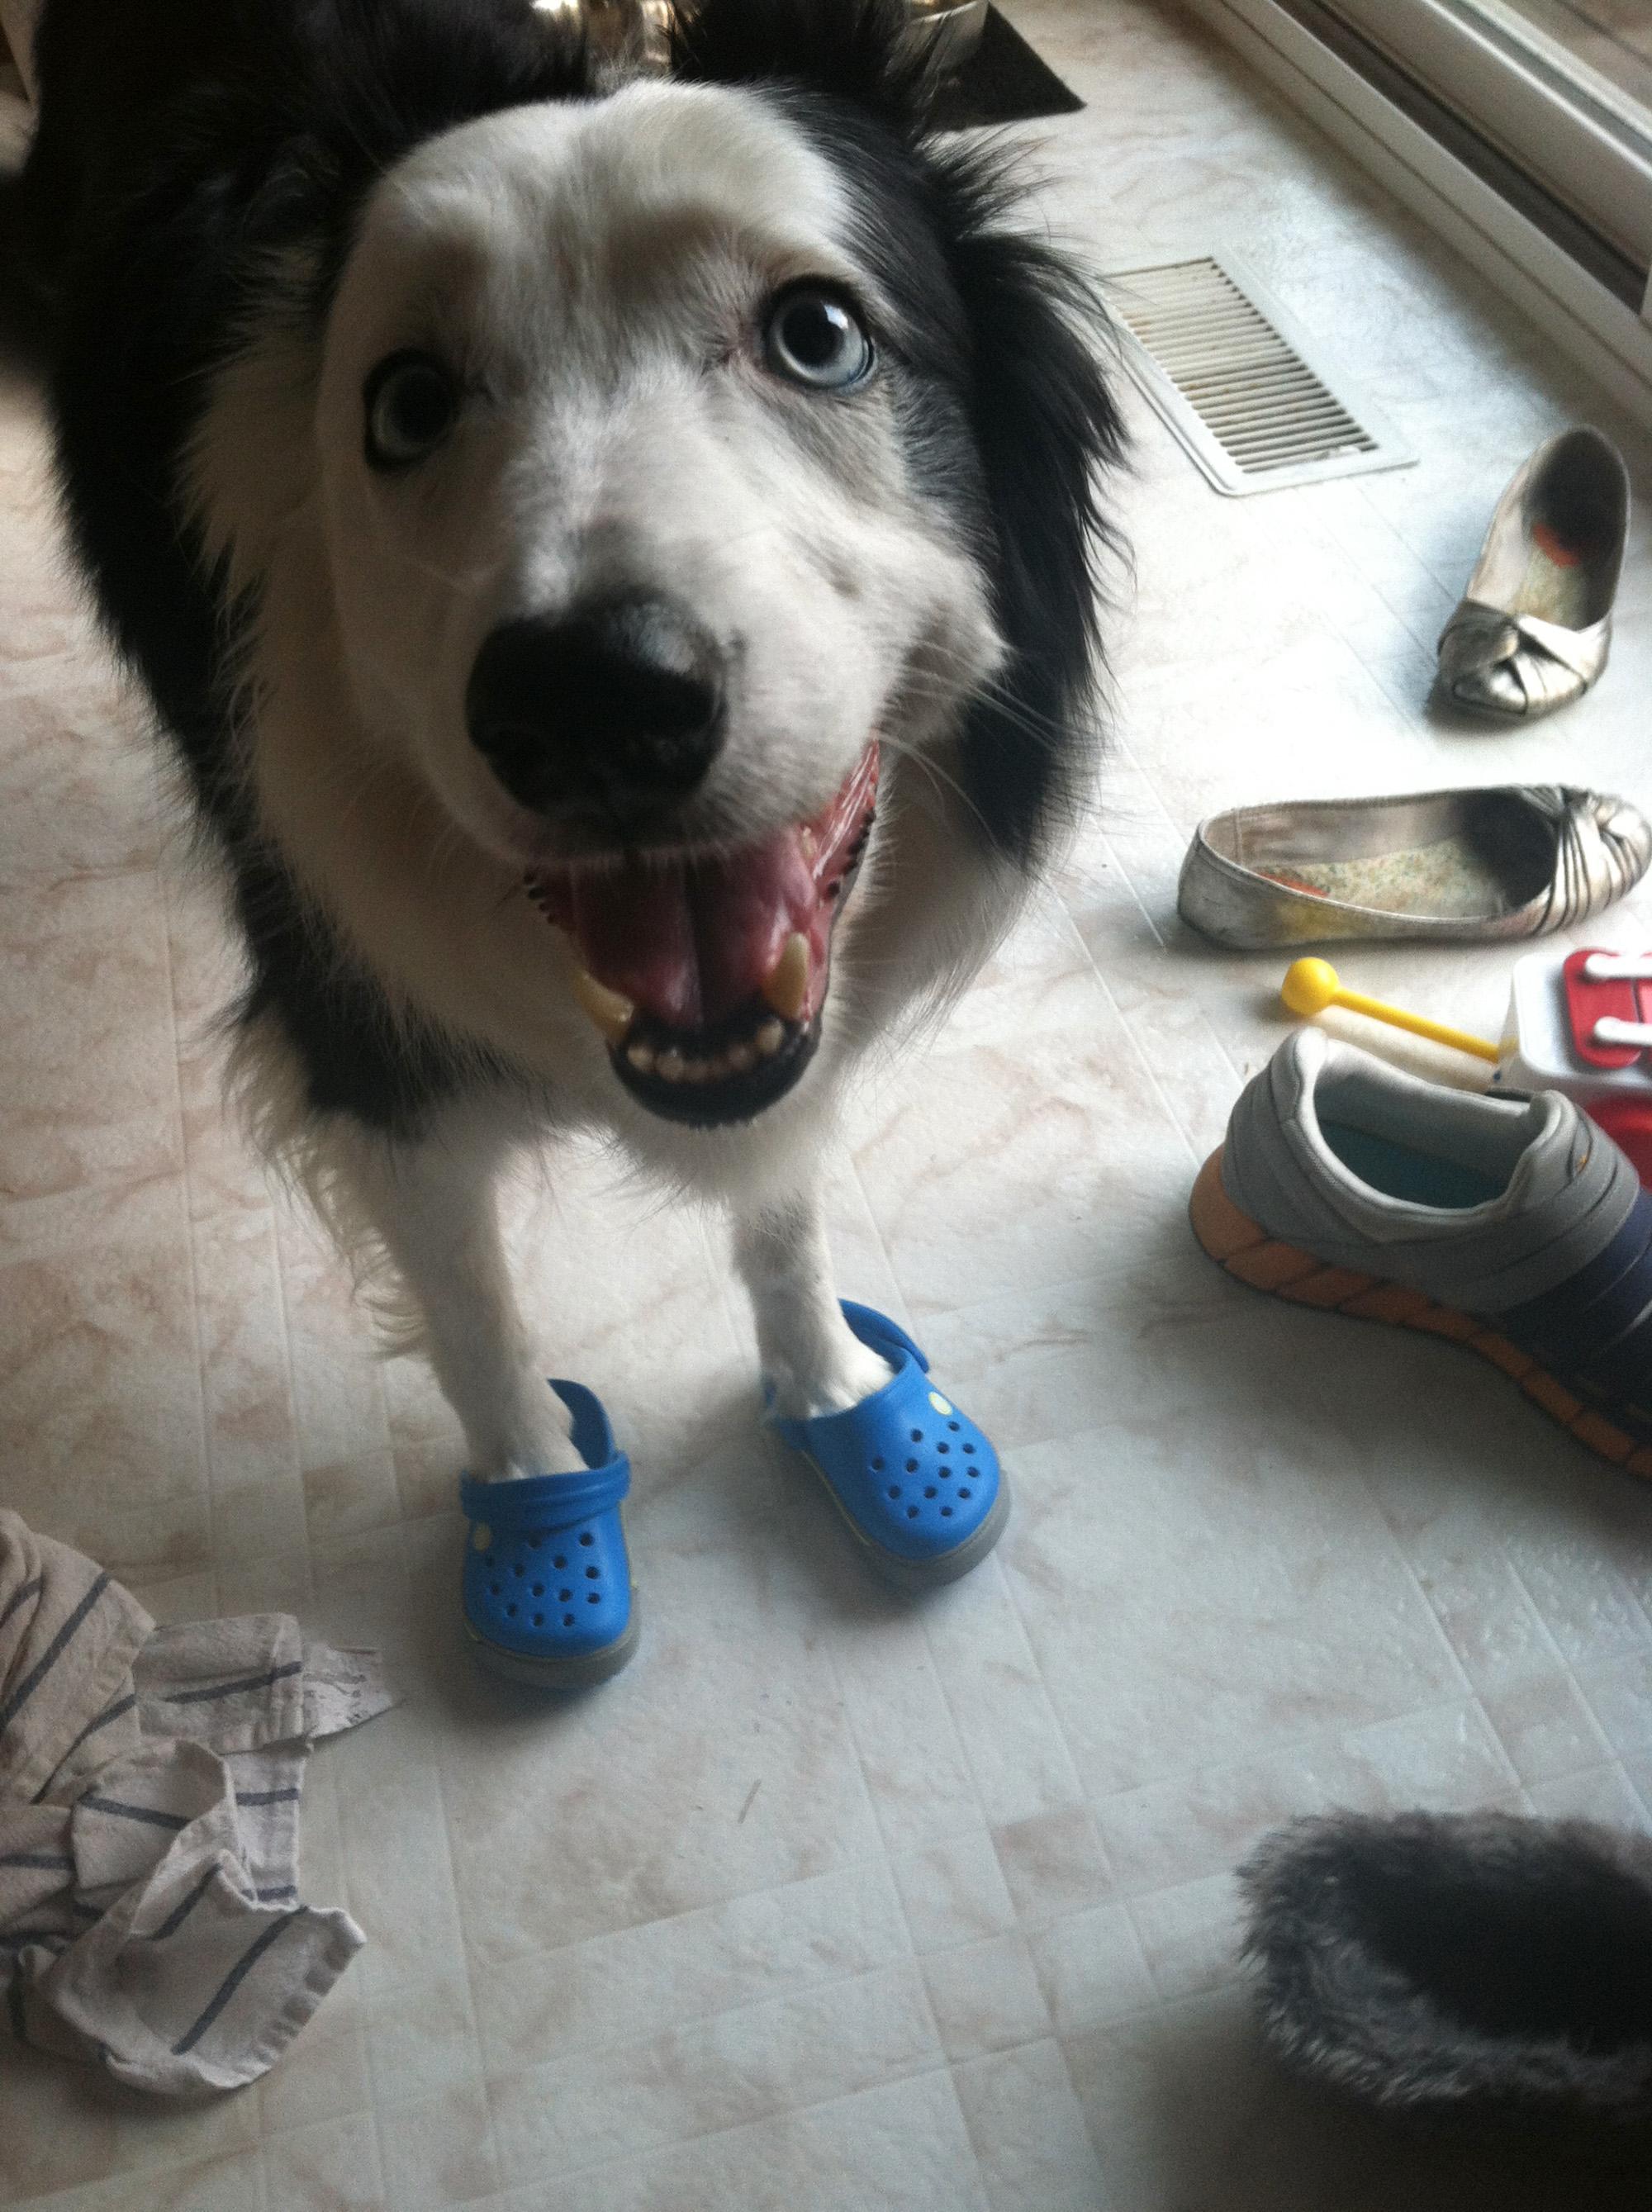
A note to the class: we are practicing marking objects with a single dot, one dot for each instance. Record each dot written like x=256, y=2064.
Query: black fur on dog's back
x=190, y=160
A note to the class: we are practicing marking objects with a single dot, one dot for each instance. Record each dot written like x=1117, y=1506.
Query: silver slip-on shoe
x=1532, y=630
x=1510, y=861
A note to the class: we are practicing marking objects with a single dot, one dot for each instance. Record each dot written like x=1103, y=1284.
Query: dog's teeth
x=810, y=847
x=742, y=1059
x=770, y=1039
x=642, y=1057
x=670, y=1065
x=697, y=1071
x=609, y=1012
x=787, y=986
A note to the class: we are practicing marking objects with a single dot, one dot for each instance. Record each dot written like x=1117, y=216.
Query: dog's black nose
x=614, y=711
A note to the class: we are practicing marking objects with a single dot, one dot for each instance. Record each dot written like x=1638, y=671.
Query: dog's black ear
x=860, y=52
x=1045, y=426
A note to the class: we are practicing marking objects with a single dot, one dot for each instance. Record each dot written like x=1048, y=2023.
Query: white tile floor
x=827, y=1904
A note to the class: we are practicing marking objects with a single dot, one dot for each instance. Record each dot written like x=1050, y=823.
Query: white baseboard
x=1585, y=320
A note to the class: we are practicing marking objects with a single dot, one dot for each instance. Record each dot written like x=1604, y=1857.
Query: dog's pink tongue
x=690, y=943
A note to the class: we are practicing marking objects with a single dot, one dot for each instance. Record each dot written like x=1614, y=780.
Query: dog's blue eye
x=811, y=337
x=410, y=402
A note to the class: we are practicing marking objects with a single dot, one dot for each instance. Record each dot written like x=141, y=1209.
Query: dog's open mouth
x=706, y=975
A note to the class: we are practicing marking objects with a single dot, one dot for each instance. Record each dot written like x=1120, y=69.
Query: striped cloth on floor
x=149, y=1791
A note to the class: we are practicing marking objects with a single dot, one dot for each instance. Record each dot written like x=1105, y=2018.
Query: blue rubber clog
x=547, y=1585
x=916, y=1481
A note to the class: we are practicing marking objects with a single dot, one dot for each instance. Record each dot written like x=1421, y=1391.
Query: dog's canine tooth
x=786, y=988
x=670, y=1065
x=609, y=1012
x=642, y=1057
x=770, y=1039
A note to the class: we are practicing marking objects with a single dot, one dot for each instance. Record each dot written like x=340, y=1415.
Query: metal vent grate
x=1222, y=364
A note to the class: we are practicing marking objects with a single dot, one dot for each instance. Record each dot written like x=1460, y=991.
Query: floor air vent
x=1222, y=364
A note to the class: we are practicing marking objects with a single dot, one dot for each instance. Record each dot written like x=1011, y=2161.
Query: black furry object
x=1475, y=1969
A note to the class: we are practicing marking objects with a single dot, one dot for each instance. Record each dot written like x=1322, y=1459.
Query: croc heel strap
x=547, y=1582
x=918, y=1483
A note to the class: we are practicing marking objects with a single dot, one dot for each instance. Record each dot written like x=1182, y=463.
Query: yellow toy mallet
x=1311, y=985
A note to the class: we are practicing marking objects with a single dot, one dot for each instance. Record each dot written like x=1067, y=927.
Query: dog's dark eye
x=410, y=403
x=811, y=337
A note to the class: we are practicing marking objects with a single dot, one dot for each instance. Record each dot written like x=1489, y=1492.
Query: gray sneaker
x=1512, y=1225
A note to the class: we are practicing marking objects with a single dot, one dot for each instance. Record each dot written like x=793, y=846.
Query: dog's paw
x=533, y=1439
x=855, y=1373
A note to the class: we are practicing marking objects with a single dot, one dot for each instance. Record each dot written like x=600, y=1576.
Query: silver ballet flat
x=1533, y=631
x=1514, y=861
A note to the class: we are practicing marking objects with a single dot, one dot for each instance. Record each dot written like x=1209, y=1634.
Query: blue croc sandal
x=916, y=1481
x=547, y=1584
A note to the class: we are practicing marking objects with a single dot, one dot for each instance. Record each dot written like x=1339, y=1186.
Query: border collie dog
x=617, y=558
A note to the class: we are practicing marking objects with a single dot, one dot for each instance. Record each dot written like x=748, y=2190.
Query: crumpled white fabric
x=150, y=1784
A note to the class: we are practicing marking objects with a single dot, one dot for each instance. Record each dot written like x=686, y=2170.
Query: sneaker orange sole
x=1249, y=1254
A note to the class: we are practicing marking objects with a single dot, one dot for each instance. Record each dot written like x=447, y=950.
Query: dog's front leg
x=810, y=1357
x=433, y=1207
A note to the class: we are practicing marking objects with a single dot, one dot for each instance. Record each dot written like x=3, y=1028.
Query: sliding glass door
x=1560, y=90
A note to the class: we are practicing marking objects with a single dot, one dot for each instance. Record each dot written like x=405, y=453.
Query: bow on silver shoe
x=1603, y=846
x=1534, y=629
x=1517, y=664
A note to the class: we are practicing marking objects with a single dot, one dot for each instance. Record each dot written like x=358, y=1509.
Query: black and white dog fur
x=527, y=493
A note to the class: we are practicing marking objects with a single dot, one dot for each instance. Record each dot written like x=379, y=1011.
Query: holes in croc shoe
x=964, y=1493
x=568, y=1621
x=894, y=1492
x=917, y=1436
x=943, y=1448
x=538, y=1620
x=878, y=1467
x=911, y=1513
x=912, y=1467
x=560, y=1561
x=946, y=1512
x=929, y=1490
x=970, y=1449
x=495, y=1587
x=952, y=1425
x=534, y=1542
x=595, y=1598
x=592, y=1574
x=586, y=1538
x=565, y=1595
x=510, y=1611
x=538, y=1589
